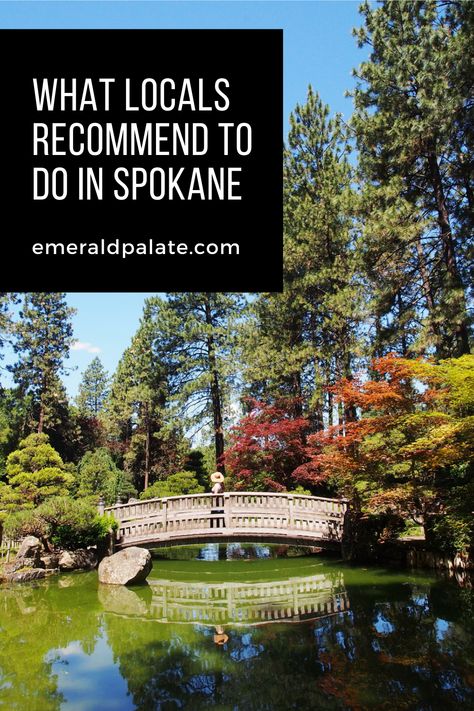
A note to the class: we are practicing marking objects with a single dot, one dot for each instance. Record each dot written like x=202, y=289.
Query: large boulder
x=126, y=567
x=80, y=559
x=28, y=556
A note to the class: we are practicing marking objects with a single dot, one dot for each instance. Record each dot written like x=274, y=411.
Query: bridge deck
x=286, y=518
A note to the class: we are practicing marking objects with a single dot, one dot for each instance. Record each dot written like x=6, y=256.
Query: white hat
x=217, y=478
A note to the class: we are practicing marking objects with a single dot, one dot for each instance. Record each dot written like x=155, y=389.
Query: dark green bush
x=451, y=533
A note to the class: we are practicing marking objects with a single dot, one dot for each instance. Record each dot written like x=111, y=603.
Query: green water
x=265, y=633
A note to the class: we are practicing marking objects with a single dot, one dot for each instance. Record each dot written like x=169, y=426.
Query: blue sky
x=318, y=49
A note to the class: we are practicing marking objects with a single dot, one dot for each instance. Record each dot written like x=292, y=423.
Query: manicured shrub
x=175, y=485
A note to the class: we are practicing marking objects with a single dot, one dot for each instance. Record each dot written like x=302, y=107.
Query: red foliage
x=267, y=445
x=396, y=424
x=335, y=451
x=391, y=392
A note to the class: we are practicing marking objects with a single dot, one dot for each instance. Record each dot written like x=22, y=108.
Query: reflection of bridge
x=200, y=518
x=231, y=603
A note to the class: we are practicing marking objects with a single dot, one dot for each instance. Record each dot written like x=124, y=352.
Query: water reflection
x=383, y=653
x=231, y=551
x=234, y=603
x=37, y=622
x=288, y=641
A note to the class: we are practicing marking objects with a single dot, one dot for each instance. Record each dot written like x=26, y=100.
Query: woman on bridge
x=217, y=480
x=218, y=483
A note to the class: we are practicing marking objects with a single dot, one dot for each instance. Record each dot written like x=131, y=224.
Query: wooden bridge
x=290, y=600
x=233, y=516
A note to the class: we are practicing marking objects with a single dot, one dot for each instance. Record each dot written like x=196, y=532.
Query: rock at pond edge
x=80, y=559
x=25, y=576
x=127, y=567
x=28, y=556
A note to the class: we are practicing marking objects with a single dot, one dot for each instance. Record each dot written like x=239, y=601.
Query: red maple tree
x=267, y=445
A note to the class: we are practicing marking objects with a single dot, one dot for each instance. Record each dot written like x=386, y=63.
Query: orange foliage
x=404, y=436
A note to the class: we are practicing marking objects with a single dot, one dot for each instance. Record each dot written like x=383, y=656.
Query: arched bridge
x=233, y=516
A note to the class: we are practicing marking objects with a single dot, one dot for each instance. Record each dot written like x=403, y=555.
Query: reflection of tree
x=169, y=666
x=393, y=650
x=387, y=652
x=34, y=621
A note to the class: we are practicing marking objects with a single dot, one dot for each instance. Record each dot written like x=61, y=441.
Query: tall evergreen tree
x=413, y=123
x=136, y=407
x=197, y=334
x=305, y=338
x=98, y=475
x=43, y=338
x=6, y=322
x=93, y=389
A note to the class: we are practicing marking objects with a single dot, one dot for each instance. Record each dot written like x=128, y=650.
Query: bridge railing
x=171, y=517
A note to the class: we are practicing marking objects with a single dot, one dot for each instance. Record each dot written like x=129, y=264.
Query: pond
x=241, y=628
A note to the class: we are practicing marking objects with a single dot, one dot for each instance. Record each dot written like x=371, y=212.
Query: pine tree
x=136, y=407
x=93, y=389
x=302, y=340
x=7, y=300
x=15, y=411
x=98, y=475
x=43, y=338
x=196, y=344
x=35, y=472
x=413, y=124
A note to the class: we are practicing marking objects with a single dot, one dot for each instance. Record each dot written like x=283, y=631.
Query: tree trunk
x=329, y=395
x=454, y=278
x=350, y=411
x=377, y=351
x=41, y=418
x=330, y=409
x=147, y=448
x=216, y=398
x=429, y=298
x=400, y=316
x=296, y=388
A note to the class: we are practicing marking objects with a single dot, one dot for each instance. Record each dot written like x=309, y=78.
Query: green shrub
x=35, y=472
x=25, y=523
x=98, y=475
x=300, y=491
x=453, y=530
x=65, y=522
x=451, y=533
x=175, y=485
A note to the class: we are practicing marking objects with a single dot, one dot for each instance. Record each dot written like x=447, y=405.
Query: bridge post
x=346, y=538
x=165, y=514
x=290, y=511
x=116, y=537
x=227, y=510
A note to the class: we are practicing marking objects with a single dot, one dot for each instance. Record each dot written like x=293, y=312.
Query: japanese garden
x=333, y=569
